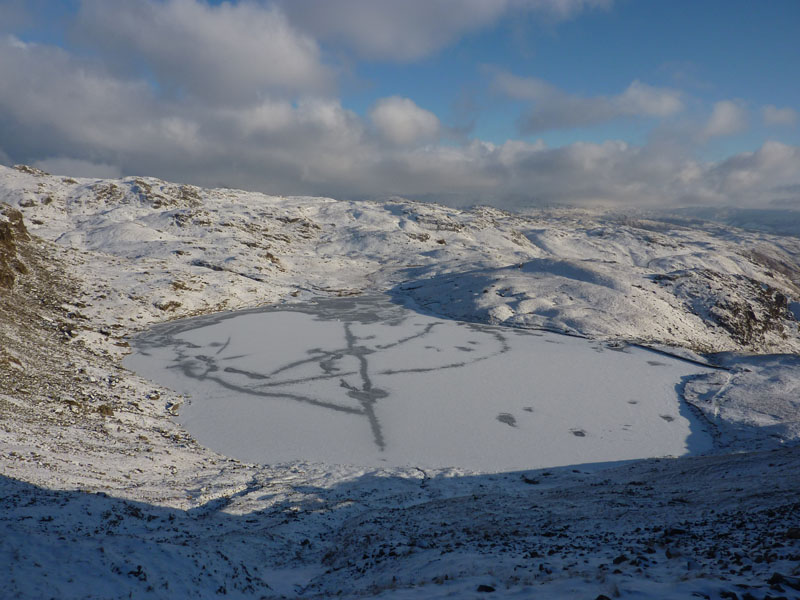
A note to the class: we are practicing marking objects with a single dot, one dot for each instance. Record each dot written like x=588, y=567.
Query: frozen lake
x=367, y=382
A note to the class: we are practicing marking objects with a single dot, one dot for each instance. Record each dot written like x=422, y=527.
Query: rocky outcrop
x=12, y=232
x=755, y=315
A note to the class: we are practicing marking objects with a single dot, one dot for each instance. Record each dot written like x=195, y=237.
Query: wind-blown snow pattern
x=104, y=495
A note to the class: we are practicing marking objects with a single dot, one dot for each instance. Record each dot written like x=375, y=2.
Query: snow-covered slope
x=178, y=249
x=103, y=259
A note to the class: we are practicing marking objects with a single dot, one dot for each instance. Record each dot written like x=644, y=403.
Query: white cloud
x=727, y=117
x=409, y=30
x=555, y=109
x=642, y=99
x=230, y=52
x=773, y=165
x=779, y=116
x=55, y=105
x=387, y=29
x=49, y=102
x=401, y=121
x=78, y=168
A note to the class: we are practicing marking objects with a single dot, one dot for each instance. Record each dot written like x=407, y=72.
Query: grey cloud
x=13, y=14
x=409, y=30
x=401, y=121
x=387, y=29
x=552, y=108
x=78, y=168
x=226, y=53
x=52, y=104
x=774, y=165
x=727, y=117
x=786, y=196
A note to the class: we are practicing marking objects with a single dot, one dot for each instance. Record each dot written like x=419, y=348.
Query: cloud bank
x=401, y=121
x=244, y=95
x=553, y=108
x=230, y=52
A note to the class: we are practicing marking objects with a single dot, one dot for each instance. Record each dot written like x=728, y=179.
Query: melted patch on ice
x=364, y=381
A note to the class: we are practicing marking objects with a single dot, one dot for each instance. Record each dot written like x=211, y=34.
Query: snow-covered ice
x=365, y=382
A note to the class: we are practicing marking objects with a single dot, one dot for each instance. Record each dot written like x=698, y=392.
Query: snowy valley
x=106, y=494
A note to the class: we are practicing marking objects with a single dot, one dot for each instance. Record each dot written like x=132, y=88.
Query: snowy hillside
x=176, y=250
x=104, y=495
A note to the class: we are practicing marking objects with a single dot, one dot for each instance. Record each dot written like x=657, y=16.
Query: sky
x=512, y=103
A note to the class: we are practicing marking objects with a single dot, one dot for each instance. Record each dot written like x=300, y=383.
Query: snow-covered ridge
x=176, y=250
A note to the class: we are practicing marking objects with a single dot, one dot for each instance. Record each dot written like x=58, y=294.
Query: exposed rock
x=507, y=418
x=754, y=313
x=12, y=232
x=31, y=170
